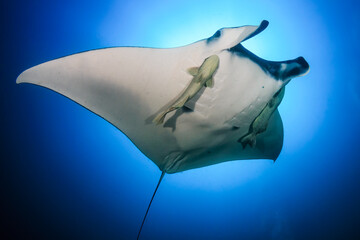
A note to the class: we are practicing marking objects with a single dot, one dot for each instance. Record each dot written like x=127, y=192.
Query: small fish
x=260, y=123
x=203, y=76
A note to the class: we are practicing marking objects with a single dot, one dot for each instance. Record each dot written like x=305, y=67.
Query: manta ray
x=186, y=107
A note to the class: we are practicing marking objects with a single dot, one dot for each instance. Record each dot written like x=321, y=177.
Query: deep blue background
x=65, y=173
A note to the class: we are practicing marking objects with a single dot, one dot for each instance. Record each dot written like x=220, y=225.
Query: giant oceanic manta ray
x=186, y=107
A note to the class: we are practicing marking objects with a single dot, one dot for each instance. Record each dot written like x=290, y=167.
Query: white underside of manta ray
x=187, y=107
x=130, y=86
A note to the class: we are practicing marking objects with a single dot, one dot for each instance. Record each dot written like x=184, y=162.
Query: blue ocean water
x=65, y=173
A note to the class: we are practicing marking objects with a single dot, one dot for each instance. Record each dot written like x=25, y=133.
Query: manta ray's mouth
x=281, y=70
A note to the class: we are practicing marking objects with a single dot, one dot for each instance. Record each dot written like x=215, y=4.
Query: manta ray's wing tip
x=32, y=75
x=22, y=78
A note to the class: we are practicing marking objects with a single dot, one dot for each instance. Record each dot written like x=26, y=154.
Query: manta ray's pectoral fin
x=210, y=83
x=193, y=71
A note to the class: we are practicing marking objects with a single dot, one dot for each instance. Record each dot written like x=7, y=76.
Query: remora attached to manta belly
x=203, y=76
x=127, y=85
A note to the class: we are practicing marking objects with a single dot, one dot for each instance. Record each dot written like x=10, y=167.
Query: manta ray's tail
x=249, y=138
x=142, y=224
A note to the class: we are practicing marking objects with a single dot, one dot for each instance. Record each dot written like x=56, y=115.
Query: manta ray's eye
x=214, y=37
x=217, y=34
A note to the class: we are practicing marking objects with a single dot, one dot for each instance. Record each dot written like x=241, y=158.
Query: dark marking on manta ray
x=216, y=35
x=280, y=70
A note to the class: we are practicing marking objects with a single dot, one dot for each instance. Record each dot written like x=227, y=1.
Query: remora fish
x=260, y=123
x=202, y=76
